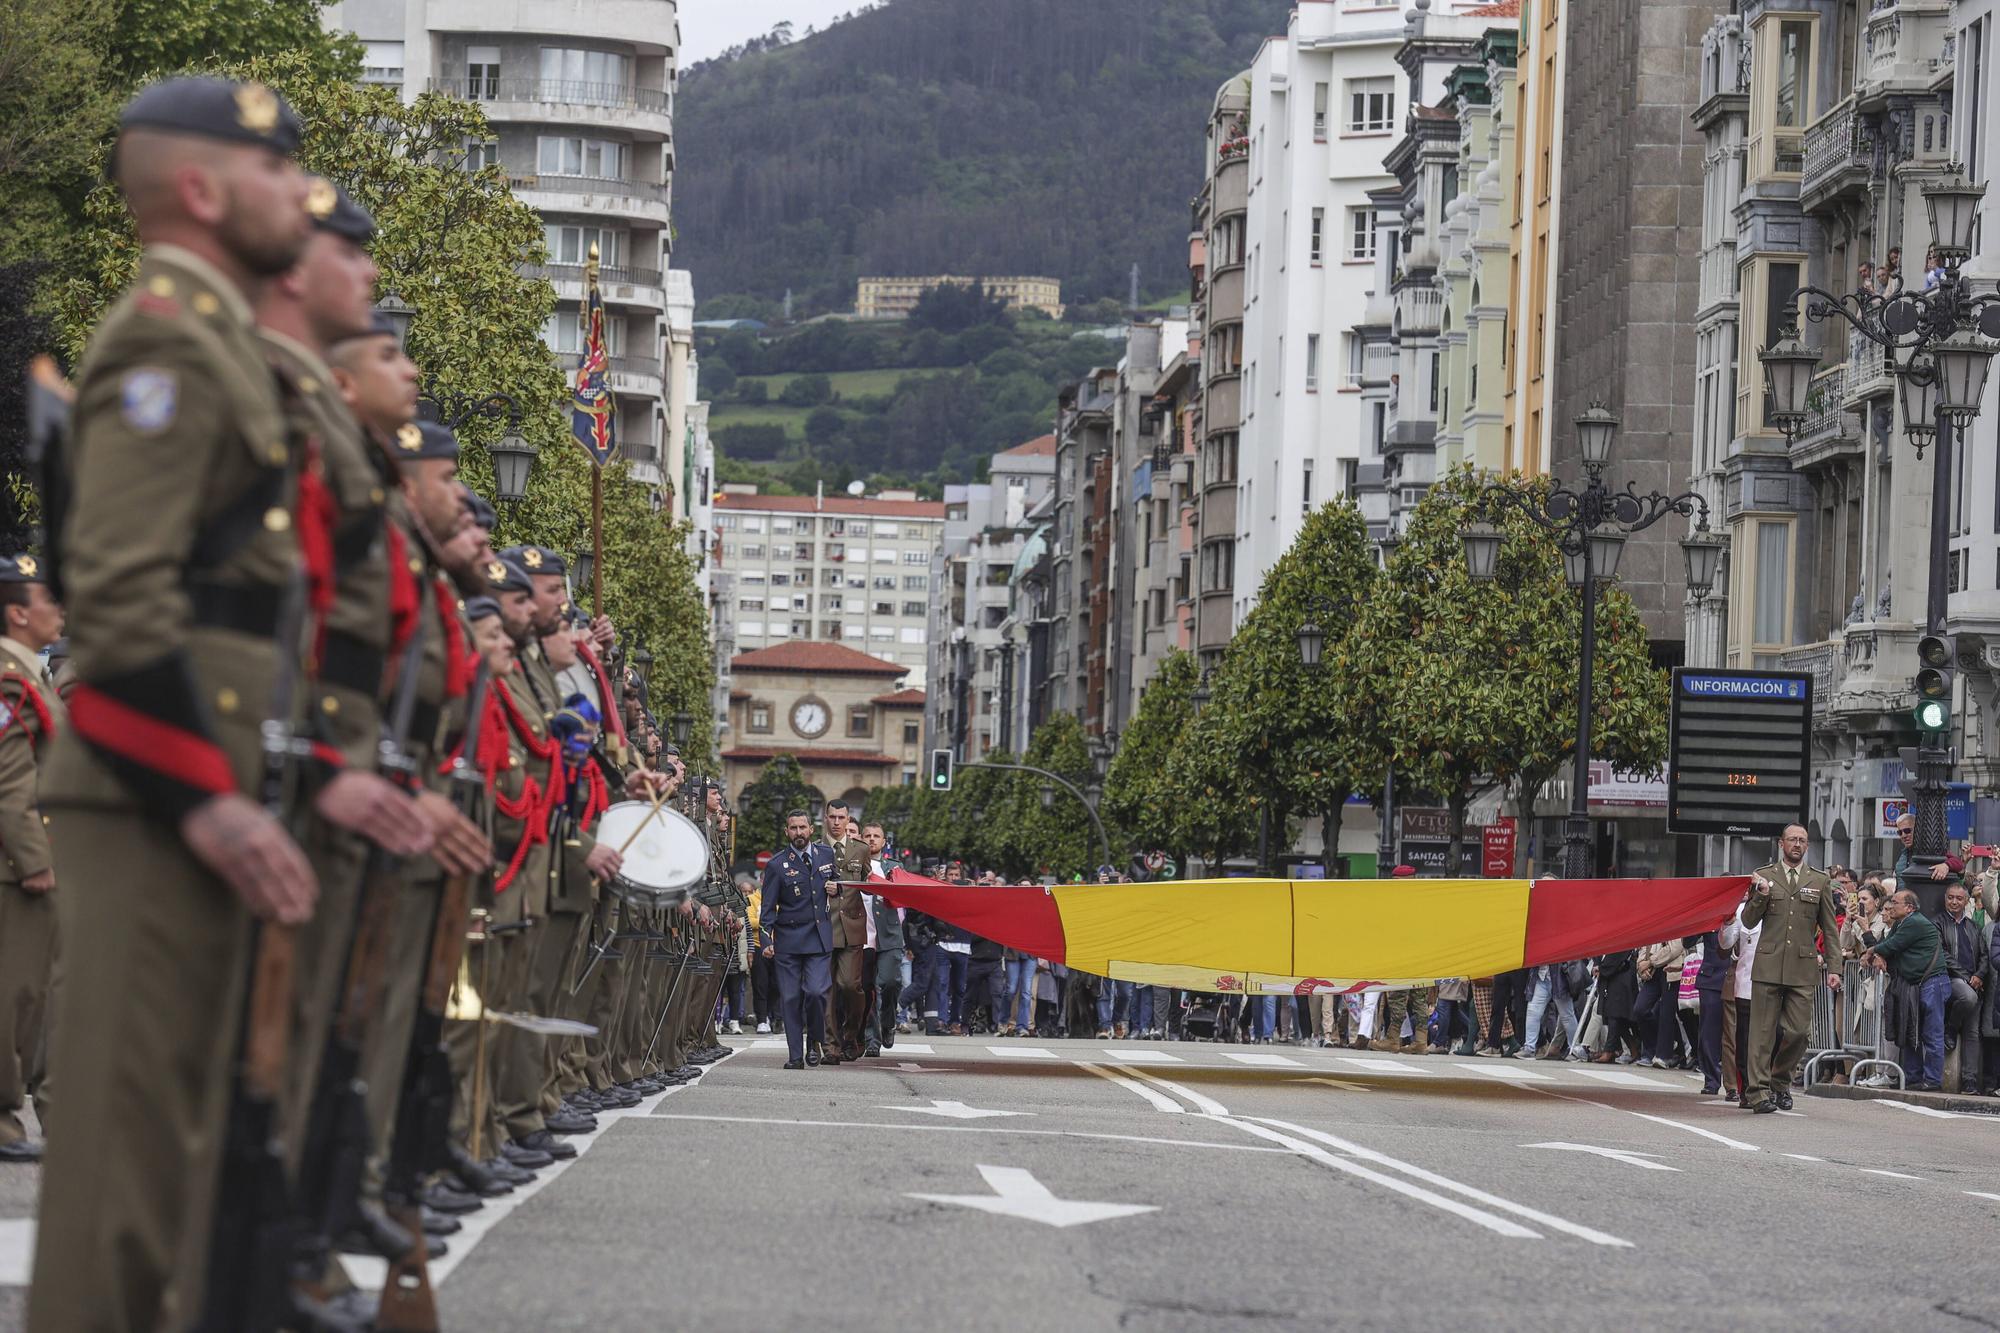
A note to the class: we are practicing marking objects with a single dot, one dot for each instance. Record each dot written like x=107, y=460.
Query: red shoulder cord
x=314, y=523
x=532, y=806
x=47, y=720
x=604, y=694
x=459, y=663
x=598, y=797
x=405, y=595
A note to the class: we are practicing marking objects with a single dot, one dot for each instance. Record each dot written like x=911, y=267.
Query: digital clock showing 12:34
x=1742, y=779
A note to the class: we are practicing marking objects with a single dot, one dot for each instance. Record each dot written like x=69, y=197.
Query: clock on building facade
x=810, y=718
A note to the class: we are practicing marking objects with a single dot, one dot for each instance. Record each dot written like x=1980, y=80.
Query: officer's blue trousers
x=803, y=981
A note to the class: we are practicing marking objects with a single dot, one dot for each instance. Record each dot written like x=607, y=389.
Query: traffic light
x=940, y=770
x=1937, y=655
x=1932, y=717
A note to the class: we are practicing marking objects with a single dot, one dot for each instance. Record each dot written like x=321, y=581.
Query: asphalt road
x=1269, y=1188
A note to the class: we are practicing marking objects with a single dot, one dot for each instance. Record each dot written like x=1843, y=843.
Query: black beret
x=483, y=515
x=538, y=559
x=481, y=608
x=23, y=568
x=504, y=575
x=379, y=326
x=417, y=441
x=332, y=210
x=249, y=113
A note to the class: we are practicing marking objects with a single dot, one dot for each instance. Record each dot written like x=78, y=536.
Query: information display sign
x=1741, y=756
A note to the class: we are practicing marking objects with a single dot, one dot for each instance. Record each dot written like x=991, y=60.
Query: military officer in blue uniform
x=795, y=930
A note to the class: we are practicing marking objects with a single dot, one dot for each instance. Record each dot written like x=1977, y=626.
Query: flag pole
x=596, y=472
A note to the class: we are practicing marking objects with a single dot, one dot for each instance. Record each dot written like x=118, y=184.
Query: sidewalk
x=1956, y=1102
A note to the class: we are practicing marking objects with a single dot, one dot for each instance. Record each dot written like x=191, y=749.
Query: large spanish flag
x=1304, y=935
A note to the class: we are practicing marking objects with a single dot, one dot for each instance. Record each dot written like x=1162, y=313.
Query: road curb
x=1943, y=1101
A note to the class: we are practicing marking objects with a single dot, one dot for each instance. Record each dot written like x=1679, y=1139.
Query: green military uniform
x=31, y=716
x=847, y=1002
x=1798, y=921
x=1416, y=1004
x=178, y=553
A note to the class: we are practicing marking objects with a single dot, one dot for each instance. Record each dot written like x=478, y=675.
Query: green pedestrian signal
x=1932, y=716
x=940, y=770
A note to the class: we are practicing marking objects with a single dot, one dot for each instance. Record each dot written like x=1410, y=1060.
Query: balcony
x=1861, y=676
x=1718, y=274
x=638, y=376
x=1839, y=154
x=1831, y=429
x=1232, y=188
x=1225, y=300
x=638, y=200
x=1419, y=310
x=1218, y=509
x=621, y=285
x=1378, y=364
x=1903, y=47
x=620, y=21
x=1867, y=370
x=1222, y=408
x=647, y=113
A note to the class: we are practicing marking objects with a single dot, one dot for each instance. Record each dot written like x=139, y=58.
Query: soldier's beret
x=483, y=515
x=23, y=568
x=481, y=608
x=538, y=559
x=379, y=326
x=334, y=211
x=248, y=113
x=417, y=441
x=503, y=575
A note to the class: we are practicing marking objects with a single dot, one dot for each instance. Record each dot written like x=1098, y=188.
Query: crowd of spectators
x=1679, y=1004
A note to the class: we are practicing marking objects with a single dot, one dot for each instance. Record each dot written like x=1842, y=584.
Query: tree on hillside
x=1462, y=682
x=953, y=308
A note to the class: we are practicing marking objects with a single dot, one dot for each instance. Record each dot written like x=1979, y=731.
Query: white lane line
x=1550, y=1220
x=1723, y=1139
x=1934, y=1112
x=1161, y=1102
x=1023, y=1052
x=913, y=1048
x=1511, y=1073
x=17, y=1250
x=1803, y=1157
x=967, y=1129
x=1638, y=1159
x=370, y=1272
x=1340, y=1083
x=1480, y=1216
x=1384, y=1066
x=1205, y=1104
x=1144, y=1058
x=1620, y=1077
x=1893, y=1175
x=1267, y=1061
x=1982, y=1194
x=768, y=1044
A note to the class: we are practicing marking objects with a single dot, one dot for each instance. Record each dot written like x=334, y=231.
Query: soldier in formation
x=323, y=729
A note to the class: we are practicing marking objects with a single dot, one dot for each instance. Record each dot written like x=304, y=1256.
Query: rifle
x=336, y=1146
x=421, y=1141
x=256, y=1228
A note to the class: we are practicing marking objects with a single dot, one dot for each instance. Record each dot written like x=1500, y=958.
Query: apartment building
x=1534, y=234
x=895, y=298
x=854, y=570
x=579, y=98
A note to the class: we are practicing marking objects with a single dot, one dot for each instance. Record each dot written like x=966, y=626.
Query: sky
x=711, y=26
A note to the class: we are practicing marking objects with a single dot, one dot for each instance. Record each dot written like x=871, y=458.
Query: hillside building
x=895, y=298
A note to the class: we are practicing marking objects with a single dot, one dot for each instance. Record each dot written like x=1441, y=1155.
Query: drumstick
x=659, y=800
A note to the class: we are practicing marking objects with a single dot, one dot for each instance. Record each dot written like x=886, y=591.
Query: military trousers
x=385, y=1050
x=27, y=963
x=849, y=1000
x=152, y=1015
x=319, y=966
x=803, y=981
x=1780, y=1026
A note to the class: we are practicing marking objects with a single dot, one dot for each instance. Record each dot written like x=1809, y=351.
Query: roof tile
x=828, y=658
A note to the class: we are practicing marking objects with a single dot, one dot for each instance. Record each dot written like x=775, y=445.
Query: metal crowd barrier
x=1848, y=1027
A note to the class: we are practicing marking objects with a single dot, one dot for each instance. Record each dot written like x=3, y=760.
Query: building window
x=481, y=154
x=482, y=73
x=914, y=532
x=909, y=777
x=915, y=608
x=1794, y=86
x=587, y=78
x=1434, y=384
x=912, y=733
x=749, y=604
x=573, y=155
x=1320, y=91
x=571, y=245
x=1764, y=592
x=760, y=717
x=885, y=608
x=382, y=62
x=1218, y=566
x=1371, y=105
x=916, y=582
x=1312, y=360
x=1316, y=241
x=1306, y=488
x=563, y=331
x=861, y=721
x=1357, y=352
x=1380, y=430
x=916, y=557
x=1360, y=233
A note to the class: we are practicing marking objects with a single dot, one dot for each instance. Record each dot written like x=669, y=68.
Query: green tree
x=1137, y=808
x=752, y=391
x=1213, y=808
x=807, y=391
x=779, y=788
x=1059, y=839
x=1462, y=683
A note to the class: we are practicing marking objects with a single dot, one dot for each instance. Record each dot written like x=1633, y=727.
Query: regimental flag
x=1265, y=936
x=593, y=416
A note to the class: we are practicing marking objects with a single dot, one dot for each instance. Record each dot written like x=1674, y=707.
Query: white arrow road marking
x=953, y=1110
x=1258, y=1058
x=1617, y=1155
x=1161, y=1102
x=1016, y=1193
x=1340, y=1083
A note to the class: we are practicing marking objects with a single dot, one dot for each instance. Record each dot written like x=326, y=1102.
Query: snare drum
x=667, y=858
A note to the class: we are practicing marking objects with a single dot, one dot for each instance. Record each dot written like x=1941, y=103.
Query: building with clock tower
x=843, y=714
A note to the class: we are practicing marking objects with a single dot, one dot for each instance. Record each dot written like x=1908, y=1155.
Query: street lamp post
x=513, y=456
x=1590, y=527
x=1938, y=343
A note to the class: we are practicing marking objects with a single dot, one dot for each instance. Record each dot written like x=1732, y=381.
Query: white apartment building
x=579, y=97
x=840, y=569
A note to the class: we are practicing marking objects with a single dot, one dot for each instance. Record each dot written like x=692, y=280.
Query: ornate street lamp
x=1590, y=528
x=513, y=461
x=1953, y=207
x=683, y=728
x=1198, y=697
x=513, y=457
x=1789, y=366
x=1312, y=642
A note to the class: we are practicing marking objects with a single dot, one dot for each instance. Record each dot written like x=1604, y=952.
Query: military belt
x=247, y=608
x=355, y=665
